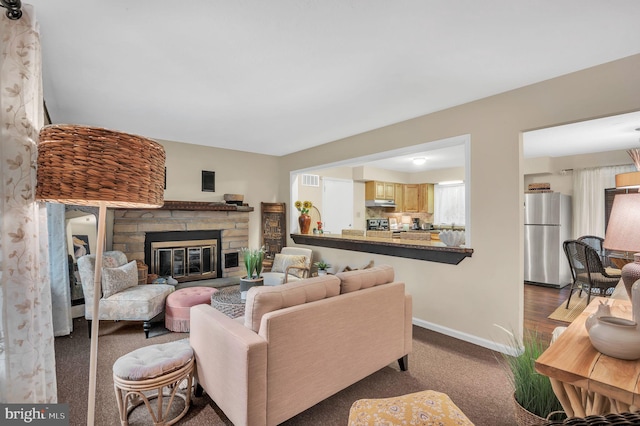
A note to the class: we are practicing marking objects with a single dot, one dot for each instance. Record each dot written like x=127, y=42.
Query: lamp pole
x=95, y=326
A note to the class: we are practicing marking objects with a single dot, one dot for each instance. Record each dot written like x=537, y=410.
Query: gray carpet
x=472, y=376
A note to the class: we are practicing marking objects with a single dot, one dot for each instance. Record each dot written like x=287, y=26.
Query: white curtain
x=449, y=206
x=588, y=198
x=27, y=360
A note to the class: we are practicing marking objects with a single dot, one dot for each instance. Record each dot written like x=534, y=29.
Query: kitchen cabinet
x=376, y=190
x=425, y=198
x=411, y=198
x=399, y=197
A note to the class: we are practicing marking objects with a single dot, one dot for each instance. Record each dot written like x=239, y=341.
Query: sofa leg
x=404, y=363
x=89, y=324
x=146, y=326
x=199, y=390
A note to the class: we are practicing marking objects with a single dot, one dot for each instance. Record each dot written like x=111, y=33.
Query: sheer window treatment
x=449, y=207
x=588, y=198
x=27, y=360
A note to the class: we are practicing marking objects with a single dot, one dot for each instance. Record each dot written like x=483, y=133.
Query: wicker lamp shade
x=85, y=165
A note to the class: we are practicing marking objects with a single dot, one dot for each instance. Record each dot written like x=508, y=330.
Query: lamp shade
x=85, y=165
x=623, y=230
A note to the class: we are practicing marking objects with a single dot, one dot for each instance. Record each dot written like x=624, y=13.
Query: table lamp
x=91, y=166
x=623, y=235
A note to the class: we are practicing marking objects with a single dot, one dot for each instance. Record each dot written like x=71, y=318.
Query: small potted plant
x=322, y=267
x=253, y=264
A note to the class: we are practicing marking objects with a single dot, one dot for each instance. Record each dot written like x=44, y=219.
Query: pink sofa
x=300, y=343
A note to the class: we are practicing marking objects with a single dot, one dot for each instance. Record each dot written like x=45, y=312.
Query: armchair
x=291, y=264
x=122, y=297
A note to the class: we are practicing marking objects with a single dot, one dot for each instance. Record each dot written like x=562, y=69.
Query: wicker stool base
x=131, y=393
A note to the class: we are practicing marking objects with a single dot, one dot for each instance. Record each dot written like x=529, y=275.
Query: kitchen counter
x=431, y=251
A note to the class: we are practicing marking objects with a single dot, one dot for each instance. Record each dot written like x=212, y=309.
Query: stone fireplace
x=188, y=240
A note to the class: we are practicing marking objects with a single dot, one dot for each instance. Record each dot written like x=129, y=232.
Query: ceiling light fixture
x=418, y=161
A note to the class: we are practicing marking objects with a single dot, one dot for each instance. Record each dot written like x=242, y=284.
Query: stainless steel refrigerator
x=547, y=224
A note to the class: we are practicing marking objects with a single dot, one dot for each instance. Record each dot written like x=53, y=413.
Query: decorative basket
x=526, y=418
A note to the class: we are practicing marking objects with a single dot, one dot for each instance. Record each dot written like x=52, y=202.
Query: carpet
x=576, y=306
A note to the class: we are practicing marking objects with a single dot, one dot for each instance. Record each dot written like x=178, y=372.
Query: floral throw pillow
x=114, y=280
x=282, y=261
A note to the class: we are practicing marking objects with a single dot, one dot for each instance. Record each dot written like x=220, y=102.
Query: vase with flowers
x=304, y=220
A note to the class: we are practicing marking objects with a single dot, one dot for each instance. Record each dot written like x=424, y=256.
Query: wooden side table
x=586, y=381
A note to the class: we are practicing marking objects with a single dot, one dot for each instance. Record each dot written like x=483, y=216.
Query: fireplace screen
x=184, y=259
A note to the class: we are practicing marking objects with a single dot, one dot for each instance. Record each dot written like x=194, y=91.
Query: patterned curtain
x=27, y=360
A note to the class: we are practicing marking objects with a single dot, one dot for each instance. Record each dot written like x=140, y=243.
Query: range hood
x=380, y=203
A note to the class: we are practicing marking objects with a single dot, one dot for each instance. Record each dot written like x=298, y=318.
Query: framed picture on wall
x=208, y=181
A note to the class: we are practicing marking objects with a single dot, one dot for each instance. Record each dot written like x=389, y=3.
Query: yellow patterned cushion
x=420, y=408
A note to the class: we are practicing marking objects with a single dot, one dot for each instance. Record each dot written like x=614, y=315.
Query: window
x=449, y=206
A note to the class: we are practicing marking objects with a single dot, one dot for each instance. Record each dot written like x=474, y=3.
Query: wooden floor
x=540, y=302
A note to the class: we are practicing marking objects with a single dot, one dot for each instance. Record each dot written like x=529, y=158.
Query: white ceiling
x=279, y=76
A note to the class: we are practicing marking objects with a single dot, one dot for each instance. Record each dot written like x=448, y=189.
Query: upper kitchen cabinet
x=411, y=198
x=376, y=190
x=399, y=197
x=425, y=198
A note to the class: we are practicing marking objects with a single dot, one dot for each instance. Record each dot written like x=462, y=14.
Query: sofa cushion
x=282, y=261
x=366, y=278
x=114, y=280
x=265, y=299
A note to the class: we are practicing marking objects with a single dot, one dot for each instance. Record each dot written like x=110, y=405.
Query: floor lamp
x=91, y=166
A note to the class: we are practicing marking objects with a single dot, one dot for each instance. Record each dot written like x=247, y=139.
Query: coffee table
x=228, y=301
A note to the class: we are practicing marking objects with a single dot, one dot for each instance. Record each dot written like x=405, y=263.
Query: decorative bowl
x=452, y=238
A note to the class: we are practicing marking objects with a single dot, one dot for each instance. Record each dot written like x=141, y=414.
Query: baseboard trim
x=489, y=344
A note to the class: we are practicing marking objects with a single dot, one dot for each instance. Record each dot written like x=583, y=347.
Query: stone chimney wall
x=130, y=227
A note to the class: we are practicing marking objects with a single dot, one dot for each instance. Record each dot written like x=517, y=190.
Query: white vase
x=616, y=337
x=604, y=310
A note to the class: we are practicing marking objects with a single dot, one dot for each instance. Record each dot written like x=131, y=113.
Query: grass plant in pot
x=533, y=395
x=253, y=264
x=322, y=267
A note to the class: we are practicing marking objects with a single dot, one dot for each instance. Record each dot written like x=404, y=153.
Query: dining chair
x=598, y=244
x=587, y=271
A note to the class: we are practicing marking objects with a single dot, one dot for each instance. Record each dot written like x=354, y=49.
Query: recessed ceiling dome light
x=419, y=161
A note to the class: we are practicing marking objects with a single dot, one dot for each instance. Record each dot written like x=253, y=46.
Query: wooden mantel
x=204, y=205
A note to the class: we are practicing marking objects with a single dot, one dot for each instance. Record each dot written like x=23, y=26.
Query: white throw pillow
x=282, y=261
x=114, y=280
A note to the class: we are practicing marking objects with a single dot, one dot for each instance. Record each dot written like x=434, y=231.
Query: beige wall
x=468, y=299
x=253, y=175
x=465, y=300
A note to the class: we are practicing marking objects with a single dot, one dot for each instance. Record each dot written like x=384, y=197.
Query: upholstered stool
x=420, y=408
x=152, y=368
x=179, y=303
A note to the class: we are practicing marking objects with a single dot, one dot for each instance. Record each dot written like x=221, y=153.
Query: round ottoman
x=143, y=374
x=179, y=303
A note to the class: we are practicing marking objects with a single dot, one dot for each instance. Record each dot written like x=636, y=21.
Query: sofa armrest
x=231, y=365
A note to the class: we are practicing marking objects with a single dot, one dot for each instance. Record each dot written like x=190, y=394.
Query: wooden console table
x=585, y=381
